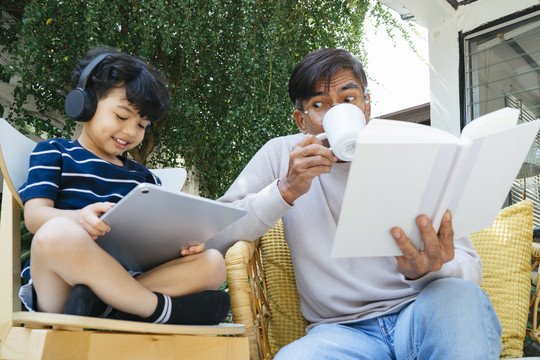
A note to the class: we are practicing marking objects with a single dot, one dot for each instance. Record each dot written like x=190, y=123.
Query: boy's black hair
x=146, y=87
x=322, y=64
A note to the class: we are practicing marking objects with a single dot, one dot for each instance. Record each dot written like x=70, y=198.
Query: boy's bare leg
x=187, y=275
x=64, y=255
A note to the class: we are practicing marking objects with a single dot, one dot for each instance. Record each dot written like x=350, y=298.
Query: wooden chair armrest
x=72, y=322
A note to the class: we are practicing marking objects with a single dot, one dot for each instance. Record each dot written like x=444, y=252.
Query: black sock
x=83, y=302
x=208, y=307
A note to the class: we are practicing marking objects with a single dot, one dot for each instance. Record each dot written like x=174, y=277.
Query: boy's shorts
x=27, y=294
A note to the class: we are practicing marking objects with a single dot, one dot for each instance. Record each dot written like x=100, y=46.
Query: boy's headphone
x=81, y=103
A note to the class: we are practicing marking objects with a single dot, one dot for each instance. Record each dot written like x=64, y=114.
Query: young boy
x=72, y=183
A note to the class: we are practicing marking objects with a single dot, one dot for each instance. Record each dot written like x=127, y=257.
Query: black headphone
x=81, y=103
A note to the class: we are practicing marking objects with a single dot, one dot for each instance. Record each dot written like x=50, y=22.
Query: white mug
x=342, y=125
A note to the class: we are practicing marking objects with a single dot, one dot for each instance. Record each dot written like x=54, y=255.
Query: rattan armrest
x=263, y=293
x=239, y=260
x=534, y=304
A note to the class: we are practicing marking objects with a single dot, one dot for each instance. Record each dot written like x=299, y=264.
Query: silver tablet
x=150, y=225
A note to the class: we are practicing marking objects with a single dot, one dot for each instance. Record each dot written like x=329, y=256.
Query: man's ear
x=367, y=112
x=299, y=117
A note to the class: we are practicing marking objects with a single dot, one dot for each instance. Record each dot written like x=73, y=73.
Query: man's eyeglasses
x=316, y=111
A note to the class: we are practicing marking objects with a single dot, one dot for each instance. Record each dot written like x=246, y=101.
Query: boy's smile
x=116, y=127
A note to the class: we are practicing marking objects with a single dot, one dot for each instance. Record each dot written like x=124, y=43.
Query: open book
x=402, y=170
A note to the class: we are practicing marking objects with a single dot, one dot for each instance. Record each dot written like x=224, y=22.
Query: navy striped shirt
x=65, y=172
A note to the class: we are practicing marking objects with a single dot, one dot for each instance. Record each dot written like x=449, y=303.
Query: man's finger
x=432, y=244
x=446, y=232
x=405, y=244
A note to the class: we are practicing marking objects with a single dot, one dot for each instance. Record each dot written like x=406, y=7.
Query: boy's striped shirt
x=71, y=176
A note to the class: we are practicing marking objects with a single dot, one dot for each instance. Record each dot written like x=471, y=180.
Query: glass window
x=502, y=69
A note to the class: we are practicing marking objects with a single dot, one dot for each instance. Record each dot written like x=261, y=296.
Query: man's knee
x=459, y=309
x=453, y=289
x=322, y=342
x=299, y=349
x=460, y=297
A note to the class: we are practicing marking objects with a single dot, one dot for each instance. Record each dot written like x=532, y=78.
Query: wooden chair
x=264, y=296
x=34, y=335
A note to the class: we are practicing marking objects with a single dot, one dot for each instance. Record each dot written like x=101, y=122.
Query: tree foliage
x=227, y=64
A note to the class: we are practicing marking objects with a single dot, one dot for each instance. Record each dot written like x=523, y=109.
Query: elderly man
x=425, y=304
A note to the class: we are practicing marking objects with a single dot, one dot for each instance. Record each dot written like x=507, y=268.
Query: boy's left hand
x=193, y=250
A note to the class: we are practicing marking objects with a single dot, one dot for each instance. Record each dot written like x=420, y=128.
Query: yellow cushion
x=505, y=250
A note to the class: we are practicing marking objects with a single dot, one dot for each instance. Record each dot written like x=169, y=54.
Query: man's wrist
x=286, y=194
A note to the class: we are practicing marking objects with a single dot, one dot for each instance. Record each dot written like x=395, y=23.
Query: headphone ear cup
x=81, y=104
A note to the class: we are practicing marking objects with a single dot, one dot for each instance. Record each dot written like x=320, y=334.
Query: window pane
x=502, y=63
x=502, y=67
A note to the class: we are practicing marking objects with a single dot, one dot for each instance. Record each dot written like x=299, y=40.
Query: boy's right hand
x=88, y=218
x=38, y=211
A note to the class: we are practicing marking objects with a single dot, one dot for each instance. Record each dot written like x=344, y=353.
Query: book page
x=495, y=121
x=396, y=131
x=497, y=159
x=389, y=185
x=397, y=175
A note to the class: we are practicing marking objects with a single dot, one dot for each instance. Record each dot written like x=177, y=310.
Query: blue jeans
x=450, y=319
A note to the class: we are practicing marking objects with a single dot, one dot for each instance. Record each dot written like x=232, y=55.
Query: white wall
x=444, y=24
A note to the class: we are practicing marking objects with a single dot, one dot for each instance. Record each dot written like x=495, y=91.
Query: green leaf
x=227, y=63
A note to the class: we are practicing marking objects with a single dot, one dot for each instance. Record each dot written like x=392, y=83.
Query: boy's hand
x=193, y=250
x=38, y=211
x=88, y=218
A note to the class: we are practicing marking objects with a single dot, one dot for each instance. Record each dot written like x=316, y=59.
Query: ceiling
x=406, y=14
x=456, y=3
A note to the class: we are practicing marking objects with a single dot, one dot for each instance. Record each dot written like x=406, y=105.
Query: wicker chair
x=534, y=332
x=263, y=293
x=264, y=296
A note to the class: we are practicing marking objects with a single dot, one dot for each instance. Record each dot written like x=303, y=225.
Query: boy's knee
x=215, y=265
x=56, y=235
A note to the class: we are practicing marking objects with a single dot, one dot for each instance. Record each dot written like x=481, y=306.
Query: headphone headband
x=83, y=79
